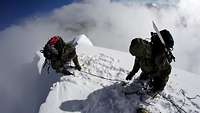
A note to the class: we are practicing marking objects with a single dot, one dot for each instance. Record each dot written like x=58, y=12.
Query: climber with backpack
x=153, y=58
x=59, y=55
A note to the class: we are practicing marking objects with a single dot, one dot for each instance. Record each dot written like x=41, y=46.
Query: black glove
x=78, y=67
x=130, y=76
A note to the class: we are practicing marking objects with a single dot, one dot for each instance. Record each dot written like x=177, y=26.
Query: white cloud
x=105, y=22
x=108, y=24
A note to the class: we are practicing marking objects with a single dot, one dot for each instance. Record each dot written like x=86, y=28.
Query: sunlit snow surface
x=98, y=87
x=86, y=93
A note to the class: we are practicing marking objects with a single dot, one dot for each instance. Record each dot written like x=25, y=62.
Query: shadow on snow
x=109, y=99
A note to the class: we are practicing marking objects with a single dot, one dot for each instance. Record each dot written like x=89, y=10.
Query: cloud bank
x=104, y=22
x=108, y=24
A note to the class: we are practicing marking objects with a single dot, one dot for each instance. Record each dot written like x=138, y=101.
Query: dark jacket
x=152, y=60
x=68, y=54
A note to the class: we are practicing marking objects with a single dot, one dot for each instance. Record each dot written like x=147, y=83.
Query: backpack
x=169, y=43
x=167, y=37
x=53, y=48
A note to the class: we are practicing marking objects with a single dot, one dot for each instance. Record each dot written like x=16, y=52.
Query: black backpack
x=53, y=48
x=167, y=37
x=169, y=42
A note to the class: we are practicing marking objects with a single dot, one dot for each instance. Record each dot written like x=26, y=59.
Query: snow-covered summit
x=97, y=88
x=84, y=40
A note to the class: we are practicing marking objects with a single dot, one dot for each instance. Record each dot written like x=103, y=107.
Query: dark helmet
x=167, y=37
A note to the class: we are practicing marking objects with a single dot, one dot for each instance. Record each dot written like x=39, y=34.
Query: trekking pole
x=117, y=80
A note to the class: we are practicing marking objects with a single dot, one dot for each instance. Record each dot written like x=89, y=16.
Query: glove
x=130, y=76
x=78, y=67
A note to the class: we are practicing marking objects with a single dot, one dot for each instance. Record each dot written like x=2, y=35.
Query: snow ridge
x=86, y=93
x=99, y=87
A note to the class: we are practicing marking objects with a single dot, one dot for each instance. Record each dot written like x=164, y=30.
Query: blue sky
x=12, y=11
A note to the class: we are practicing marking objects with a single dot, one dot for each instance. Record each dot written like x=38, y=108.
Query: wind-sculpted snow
x=99, y=88
x=103, y=66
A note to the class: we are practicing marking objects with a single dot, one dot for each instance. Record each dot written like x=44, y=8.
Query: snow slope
x=98, y=87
